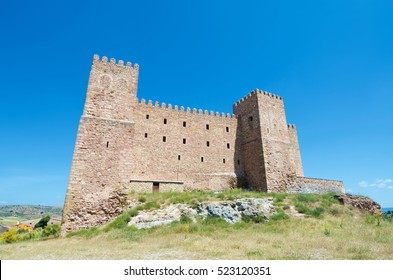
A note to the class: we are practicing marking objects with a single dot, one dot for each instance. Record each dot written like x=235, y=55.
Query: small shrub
x=132, y=213
x=142, y=199
x=279, y=216
x=302, y=208
x=10, y=236
x=151, y=205
x=51, y=231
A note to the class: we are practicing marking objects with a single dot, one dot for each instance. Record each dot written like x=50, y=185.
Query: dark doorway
x=156, y=187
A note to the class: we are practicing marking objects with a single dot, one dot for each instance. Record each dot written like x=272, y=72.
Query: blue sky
x=331, y=61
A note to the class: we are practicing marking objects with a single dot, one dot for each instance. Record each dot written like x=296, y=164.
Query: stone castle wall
x=313, y=185
x=185, y=145
x=126, y=145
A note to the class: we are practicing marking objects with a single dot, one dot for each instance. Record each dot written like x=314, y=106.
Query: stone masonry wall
x=97, y=187
x=313, y=185
x=295, y=150
x=186, y=145
x=277, y=147
x=145, y=186
x=249, y=142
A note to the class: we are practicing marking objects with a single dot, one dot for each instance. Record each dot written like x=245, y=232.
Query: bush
x=142, y=199
x=51, y=231
x=42, y=223
x=279, y=216
x=10, y=235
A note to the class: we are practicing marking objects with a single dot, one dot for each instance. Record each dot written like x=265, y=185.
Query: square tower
x=269, y=147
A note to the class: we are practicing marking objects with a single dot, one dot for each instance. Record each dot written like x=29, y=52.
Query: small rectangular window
x=238, y=162
x=201, y=159
x=208, y=143
x=178, y=157
x=223, y=160
x=227, y=129
x=228, y=145
x=147, y=117
x=207, y=127
x=165, y=121
x=145, y=135
x=107, y=144
x=184, y=124
x=184, y=140
x=250, y=118
x=164, y=139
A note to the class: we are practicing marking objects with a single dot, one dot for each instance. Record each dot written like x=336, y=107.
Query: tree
x=42, y=223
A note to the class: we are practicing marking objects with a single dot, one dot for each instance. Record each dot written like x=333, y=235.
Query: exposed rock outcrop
x=230, y=211
x=363, y=203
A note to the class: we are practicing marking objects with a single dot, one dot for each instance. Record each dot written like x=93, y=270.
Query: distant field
x=337, y=232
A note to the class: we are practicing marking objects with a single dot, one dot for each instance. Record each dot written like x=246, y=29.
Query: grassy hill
x=305, y=227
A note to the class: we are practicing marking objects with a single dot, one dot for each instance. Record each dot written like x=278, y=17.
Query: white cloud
x=363, y=184
x=378, y=183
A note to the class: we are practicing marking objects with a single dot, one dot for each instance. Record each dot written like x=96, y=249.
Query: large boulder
x=361, y=202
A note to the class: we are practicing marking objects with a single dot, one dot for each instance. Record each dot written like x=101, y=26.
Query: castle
x=124, y=145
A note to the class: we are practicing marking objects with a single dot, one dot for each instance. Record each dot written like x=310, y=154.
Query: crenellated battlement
x=257, y=91
x=112, y=61
x=187, y=110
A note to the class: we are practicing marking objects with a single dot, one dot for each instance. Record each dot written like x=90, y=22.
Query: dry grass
x=342, y=233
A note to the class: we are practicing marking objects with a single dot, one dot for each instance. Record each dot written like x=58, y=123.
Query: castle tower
x=270, y=149
x=102, y=150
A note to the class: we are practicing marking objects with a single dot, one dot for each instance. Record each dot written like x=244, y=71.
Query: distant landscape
x=10, y=215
